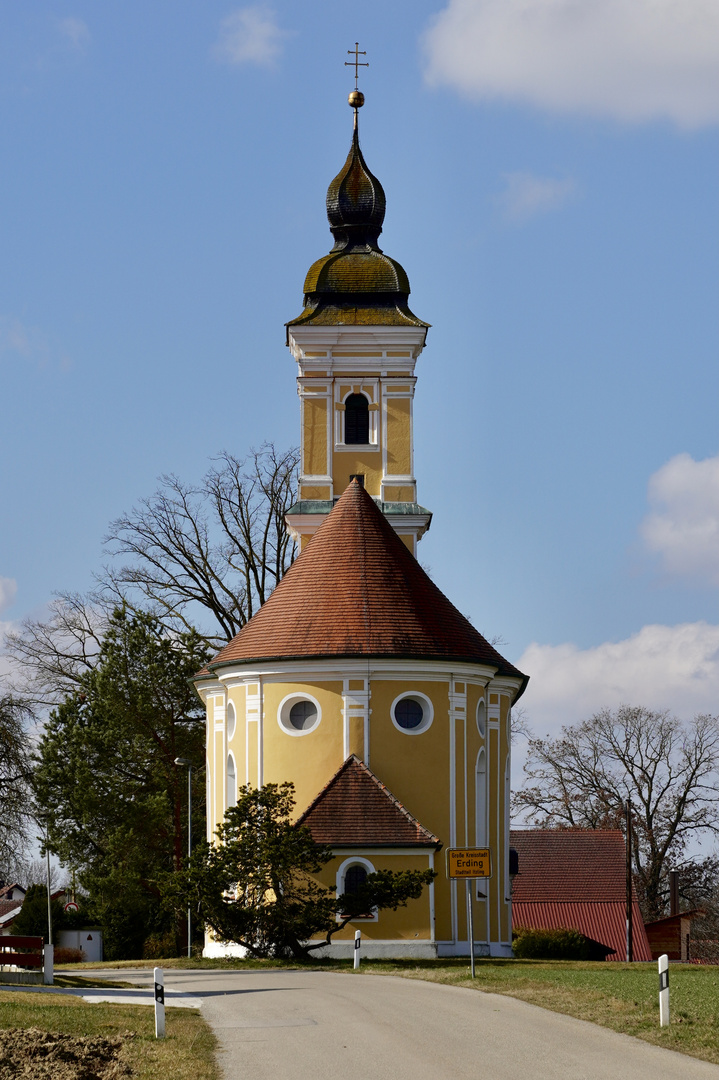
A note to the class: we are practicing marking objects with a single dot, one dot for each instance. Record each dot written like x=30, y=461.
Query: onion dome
x=356, y=282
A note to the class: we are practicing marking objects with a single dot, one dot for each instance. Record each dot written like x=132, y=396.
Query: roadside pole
x=663, y=990
x=49, y=902
x=470, y=864
x=358, y=942
x=470, y=921
x=159, y=1004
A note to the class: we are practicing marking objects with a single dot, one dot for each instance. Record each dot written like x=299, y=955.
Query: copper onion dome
x=356, y=282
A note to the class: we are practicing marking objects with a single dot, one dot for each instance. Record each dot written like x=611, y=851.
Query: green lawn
x=187, y=1053
x=624, y=997
x=620, y=996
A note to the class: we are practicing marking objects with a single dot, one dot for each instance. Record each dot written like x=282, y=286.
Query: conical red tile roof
x=355, y=808
x=357, y=591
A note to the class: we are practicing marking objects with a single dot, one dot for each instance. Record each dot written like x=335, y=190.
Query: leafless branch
x=668, y=769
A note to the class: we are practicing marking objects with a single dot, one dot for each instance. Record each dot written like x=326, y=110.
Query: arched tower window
x=357, y=419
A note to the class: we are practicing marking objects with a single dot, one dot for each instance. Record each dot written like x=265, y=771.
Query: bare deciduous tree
x=218, y=548
x=51, y=656
x=15, y=774
x=667, y=768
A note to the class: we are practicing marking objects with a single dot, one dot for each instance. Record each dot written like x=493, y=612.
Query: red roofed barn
x=576, y=879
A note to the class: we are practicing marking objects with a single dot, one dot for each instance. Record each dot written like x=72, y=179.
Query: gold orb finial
x=356, y=99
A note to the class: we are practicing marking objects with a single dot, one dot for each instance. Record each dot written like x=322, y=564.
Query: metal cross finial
x=356, y=63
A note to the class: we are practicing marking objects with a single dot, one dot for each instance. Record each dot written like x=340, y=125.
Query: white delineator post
x=159, y=1004
x=664, y=991
x=358, y=941
x=48, y=964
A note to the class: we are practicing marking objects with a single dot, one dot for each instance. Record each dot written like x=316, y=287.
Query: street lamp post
x=44, y=840
x=188, y=763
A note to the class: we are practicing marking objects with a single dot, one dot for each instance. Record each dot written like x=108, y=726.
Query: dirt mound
x=31, y=1054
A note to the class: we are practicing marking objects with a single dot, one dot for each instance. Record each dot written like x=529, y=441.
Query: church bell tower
x=356, y=344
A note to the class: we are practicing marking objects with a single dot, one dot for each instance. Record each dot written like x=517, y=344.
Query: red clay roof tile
x=569, y=865
x=355, y=809
x=576, y=878
x=356, y=590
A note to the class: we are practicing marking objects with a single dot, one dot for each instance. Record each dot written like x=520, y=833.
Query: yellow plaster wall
x=494, y=834
x=504, y=749
x=309, y=760
x=409, y=924
x=415, y=768
x=237, y=743
x=399, y=444
x=314, y=450
x=405, y=493
x=345, y=463
x=315, y=491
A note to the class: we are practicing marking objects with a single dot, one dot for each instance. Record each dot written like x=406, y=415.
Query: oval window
x=231, y=719
x=481, y=717
x=412, y=713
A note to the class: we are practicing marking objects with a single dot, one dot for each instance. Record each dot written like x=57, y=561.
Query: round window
x=412, y=713
x=231, y=719
x=303, y=715
x=298, y=714
x=408, y=713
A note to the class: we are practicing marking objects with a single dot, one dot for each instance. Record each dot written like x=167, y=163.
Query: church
x=358, y=680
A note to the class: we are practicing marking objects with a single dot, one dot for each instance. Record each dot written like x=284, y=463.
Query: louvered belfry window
x=357, y=419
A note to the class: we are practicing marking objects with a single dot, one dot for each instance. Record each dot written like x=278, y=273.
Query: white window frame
x=427, y=707
x=231, y=720
x=231, y=795
x=373, y=443
x=482, y=712
x=354, y=860
x=283, y=713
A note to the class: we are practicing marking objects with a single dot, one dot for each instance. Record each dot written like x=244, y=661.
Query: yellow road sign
x=469, y=863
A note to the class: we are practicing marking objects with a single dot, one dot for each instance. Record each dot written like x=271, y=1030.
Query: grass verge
x=623, y=997
x=187, y=1053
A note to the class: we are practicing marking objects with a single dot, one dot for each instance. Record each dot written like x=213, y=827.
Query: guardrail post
x=664, y=990
x=358, y=942
x=159, y=1004
x=48, y=964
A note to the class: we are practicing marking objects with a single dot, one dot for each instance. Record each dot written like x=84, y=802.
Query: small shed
x=576, y=879
x=671, y=935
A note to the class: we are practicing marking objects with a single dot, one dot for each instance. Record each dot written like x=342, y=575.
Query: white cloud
x=526, y=195
x=250, y=35
x=660, y=667
x=8, y=592
x=634, y=60
x=683, y=525
x=76, y=32
x=29, y=343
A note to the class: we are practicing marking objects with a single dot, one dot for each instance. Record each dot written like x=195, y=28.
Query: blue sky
x=551, y=188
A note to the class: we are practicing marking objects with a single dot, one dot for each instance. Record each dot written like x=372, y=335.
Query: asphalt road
x=314, y=1025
